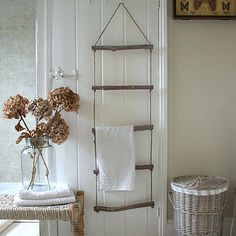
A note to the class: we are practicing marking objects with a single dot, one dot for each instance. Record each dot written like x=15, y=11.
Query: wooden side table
x=74, y=212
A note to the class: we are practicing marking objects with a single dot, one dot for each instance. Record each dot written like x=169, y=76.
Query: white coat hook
x=58, y=73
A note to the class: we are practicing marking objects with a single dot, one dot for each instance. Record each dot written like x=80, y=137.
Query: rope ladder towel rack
x=148, y=127
x=73, y=212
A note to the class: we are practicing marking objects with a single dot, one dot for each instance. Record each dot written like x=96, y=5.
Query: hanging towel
x=45, y=202
x=60, y=190
x=115, y=158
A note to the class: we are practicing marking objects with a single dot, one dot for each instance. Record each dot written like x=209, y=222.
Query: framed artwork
x=204, y=9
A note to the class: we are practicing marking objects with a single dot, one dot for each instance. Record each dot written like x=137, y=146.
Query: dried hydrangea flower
x=42, y=128
x=19, y=127
x=15, y=107
x=59, y=131
x=39, y=131
x=64, y=98
x=53, y=126
x=40, y=108
x=23, y=135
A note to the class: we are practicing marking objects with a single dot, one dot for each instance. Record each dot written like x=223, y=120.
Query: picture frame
x=204, y=9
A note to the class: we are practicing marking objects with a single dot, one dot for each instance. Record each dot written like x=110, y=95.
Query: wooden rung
x=144, y=167
x=143, y=127
x=137, y=128
x=125, y=207
x=122, y=47
x=122, y=87
x=137, y=167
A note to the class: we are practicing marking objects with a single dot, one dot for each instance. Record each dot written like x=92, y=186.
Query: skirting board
x=170, y=228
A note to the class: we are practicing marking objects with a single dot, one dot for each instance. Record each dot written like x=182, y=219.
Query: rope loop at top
x=132, y=18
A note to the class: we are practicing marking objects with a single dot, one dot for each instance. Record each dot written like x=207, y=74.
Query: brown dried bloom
x=42, y=128
x=40, y=108
x=64, y=98
x=19, y=127
x=59, y=131
x=22, y=136
x=15, y=107
x=39, y=131
x=54, y=126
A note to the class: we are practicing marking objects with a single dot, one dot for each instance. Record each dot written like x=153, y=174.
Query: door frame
x=163, y=118
x=43, y=37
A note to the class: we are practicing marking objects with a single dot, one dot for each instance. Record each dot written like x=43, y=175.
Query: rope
x=150, y=120
x=94, y=124
x=136, y=23
x=122, y=4
x=108, y=23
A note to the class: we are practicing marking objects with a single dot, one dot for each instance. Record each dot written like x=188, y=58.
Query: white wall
x=202, y=99
x=75, y=28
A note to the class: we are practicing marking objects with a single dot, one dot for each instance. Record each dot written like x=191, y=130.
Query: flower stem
x=45, y=164
x=35, y=160
x=21, y=118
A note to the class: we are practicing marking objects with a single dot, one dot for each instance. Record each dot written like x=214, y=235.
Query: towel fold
x=59, y=190
x=45, y=202
x=115, y=158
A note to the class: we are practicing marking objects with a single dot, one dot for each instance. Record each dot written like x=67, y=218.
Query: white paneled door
x=76, y=25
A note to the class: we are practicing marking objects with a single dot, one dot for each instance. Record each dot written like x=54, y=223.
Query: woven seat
x=72, y=212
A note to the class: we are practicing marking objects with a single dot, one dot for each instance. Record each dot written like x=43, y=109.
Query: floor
x=22, y=228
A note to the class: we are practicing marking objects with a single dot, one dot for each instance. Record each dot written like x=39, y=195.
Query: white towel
x=60, y=190
x=115, y=158
x=44, y=202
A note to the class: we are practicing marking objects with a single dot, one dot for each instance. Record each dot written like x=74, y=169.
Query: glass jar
x=38, y=165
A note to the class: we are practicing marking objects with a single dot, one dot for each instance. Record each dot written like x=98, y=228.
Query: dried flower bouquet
x=49, y=121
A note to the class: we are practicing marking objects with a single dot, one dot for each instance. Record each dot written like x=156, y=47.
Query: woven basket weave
x=198, y=203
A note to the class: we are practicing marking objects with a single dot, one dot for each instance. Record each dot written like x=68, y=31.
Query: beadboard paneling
x=116, y=107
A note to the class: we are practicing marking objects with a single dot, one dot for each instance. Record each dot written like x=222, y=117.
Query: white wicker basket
x=198, y=203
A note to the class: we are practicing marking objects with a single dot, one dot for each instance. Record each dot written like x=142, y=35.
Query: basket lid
x=200, y=185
